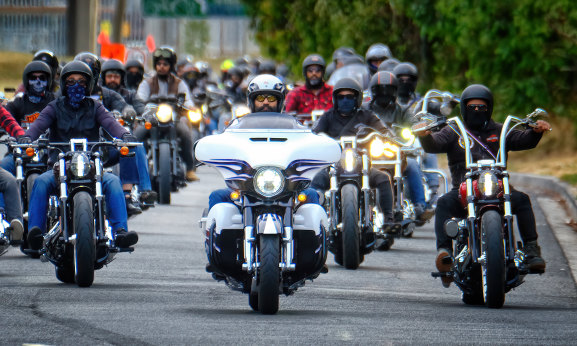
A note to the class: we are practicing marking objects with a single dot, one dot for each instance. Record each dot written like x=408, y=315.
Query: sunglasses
x=479, y=108
x=41, y=78
x=269, y=98
x=81, y=82
x=347, y=96
x=314, y=69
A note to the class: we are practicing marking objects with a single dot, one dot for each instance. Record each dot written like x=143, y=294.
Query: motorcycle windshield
x=236, y=152
x=356, y=71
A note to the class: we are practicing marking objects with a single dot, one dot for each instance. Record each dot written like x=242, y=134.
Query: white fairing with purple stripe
x=235, y=152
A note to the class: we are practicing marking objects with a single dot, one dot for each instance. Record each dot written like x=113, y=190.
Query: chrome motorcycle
x=488, y=262
x=269, y=241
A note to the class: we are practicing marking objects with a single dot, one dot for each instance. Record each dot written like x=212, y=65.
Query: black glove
x=129, y=112
x=129, y=137
x=24, y=139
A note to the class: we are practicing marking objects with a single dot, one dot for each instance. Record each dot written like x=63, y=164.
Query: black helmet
x=37, y=66
x=348, y=84
x=167, y=54
x=49, y=58
x=353, y=59
x=93, y=62
x=269, y=85
x=388, y=65
x=377, y=51
x=79, y=67
x=267, y=67
x=314, y=59
x=406, y=69
x=236, y=71
x=382, y=80
x=341, y=52
x=477, y=91
x=134, y=63
x=116, y=66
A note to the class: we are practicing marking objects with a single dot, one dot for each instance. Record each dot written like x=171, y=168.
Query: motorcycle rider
x=165, y=83
x=234, y=85
x=133, y=170
x=134, y=74
x=407, y=76
x=266, y=94
x=388, y=65
x=113, y=76
x=476, y=110
x=8, y=185
x=344, y=119
x=376, y=54
x=383, y=88
x=315, y=94
x=61, y=117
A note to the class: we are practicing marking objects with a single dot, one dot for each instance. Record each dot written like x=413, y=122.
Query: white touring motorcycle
x=270, y=240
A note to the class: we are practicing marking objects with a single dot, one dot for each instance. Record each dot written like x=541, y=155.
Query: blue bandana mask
x=346, y=106
x=76, y=94
x=37, y=87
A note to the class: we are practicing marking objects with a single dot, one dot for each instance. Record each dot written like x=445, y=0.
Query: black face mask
x=384, y=100
x=476, y=120
x=133, y=79
x=406, y=89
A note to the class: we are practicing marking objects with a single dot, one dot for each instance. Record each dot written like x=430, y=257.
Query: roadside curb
x=566, y=236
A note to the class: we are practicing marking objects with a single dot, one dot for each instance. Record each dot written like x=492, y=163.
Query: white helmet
x=269, y=85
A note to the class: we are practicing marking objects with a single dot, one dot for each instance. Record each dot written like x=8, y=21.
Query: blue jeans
x=45, y=185
x=414, y=178
x=223, y=196
x=7, y=164
x=430, y=162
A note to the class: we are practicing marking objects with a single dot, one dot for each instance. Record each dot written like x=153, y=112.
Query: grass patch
x=570, y=178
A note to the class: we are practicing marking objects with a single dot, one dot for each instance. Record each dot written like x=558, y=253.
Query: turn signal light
x=234, y=195
x=30, y=152
x=302, y=197
x=124, y=151
x=121, y=122
x=148, y=125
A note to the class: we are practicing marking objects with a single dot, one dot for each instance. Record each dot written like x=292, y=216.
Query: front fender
x=269, y=224
x=310, y=217
x=225, y=216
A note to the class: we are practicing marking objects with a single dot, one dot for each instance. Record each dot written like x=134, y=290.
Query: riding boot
x=533, y=259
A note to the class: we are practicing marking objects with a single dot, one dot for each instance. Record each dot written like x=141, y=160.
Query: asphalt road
x=161, y=294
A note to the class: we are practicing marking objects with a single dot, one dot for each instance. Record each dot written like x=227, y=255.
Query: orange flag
x=150, y=44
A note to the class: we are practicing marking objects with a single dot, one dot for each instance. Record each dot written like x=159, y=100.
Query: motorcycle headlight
x=408, y=135
x=194, y=116
x=241, y=111
x=488, y=184
x=80, y=165
x=377, y=148
x=350, y=161
x=390, y=150
x=164, y=113
x=269, y=181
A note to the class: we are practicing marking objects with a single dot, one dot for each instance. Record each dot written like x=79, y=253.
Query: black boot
x=35, y=239
x=533, y=260
x=125, y=239
x=132, y=207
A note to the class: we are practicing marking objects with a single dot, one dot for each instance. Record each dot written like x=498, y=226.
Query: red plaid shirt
x=303, y=100
x=10, y=124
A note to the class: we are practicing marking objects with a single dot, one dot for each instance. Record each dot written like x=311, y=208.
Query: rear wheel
x=350, y=226
x=494, y=266
x=164, y=174
x=269, y=274
x=84, y=249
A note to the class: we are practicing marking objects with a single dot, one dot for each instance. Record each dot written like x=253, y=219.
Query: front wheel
x=164, y=174
x=269, y=274
x=29, y=185
x=350, y=226
x=84, y=248
x=494, y=266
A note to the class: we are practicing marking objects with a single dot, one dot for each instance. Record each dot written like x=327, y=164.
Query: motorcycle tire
x=164, y=173
x=350, y=226
x=494, y=268
x=24, y=245
x=269, y=274
x=85, y=246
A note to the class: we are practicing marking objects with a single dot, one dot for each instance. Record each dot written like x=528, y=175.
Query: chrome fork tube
x=249, y=239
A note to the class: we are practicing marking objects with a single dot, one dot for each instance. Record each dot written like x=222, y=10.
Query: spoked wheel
x=269, y=274
x=84, y=249
x=350, y=226
x=164, y=174
x=494, y=266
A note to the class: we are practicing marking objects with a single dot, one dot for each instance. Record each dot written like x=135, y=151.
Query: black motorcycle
x=79, y=240
x=487, y=261
x=166, y=168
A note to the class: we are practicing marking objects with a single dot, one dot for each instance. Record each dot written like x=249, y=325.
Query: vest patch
x=493, y=138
